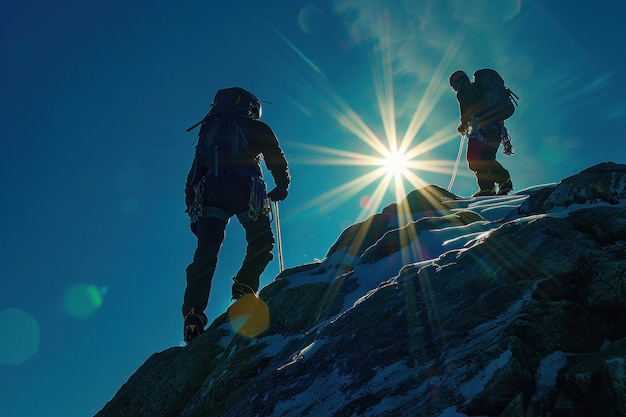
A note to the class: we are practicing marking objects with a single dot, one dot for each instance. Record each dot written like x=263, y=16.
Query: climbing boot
x=194, y=325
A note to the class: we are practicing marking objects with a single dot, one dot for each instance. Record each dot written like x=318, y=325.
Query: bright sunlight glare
x=395, y=163
x=395, y=160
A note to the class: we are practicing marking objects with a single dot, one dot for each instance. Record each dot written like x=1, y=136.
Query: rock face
x=438, y=306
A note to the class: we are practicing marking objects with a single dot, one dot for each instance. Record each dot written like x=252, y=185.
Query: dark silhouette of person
x=484, y=138
x=214, y=194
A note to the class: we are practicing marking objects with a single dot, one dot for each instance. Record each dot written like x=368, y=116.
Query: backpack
x=497, y=101
x=222, y=142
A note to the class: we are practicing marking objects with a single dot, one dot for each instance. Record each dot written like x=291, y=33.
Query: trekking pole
x=281, y=264
x=456, y=164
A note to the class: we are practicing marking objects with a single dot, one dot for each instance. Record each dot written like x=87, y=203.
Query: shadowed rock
x=527, y=319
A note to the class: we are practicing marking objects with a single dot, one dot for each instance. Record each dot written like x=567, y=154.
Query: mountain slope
x=437, y=306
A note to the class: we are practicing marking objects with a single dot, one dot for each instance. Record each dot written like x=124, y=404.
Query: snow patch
x=390, y=375
x=322, y=398
x=225, y=340
x=273, y=345
x=477, y=384
x=451, y=412
x=548, y=370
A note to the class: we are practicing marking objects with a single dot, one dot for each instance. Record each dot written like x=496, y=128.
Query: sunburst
x=395, y=164
x=396, y=161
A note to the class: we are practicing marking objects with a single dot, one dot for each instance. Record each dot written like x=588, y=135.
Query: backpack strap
x=235, y=172
x=514, y=97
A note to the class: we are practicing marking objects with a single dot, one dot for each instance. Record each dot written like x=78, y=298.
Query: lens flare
x=249, y=316
x=82, y=300
x=311, y=19
x=19, y=332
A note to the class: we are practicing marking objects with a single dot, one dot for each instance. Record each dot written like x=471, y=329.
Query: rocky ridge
x=437, y=306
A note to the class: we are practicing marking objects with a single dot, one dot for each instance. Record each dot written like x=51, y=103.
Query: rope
x=456, y=164
x=281, y=263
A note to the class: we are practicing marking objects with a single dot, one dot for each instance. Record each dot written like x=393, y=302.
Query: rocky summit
x=437, y=306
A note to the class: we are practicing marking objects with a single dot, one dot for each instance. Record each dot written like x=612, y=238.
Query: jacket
x=263, y=145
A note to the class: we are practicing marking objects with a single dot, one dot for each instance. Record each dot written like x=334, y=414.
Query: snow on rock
x=437, y=306
x=602, y=183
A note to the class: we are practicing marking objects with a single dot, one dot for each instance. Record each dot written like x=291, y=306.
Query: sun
x=394, y=144
x=395, y=163
x=398, y=158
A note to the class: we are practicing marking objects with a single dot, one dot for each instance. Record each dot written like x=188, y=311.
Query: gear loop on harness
x=195, y=211
x=473, y=130
x=505, y=139
x=259, y=202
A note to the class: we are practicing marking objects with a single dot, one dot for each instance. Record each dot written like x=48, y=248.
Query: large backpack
x=497, y=101
x=222, y=142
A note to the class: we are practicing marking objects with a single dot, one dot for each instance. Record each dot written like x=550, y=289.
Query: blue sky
x=96, y=99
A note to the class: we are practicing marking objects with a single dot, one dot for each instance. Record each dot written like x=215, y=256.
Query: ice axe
x=281, y=263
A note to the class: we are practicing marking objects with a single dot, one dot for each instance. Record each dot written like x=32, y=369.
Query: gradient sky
x=96, y=97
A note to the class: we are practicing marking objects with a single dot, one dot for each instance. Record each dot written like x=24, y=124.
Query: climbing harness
x=259, y=203
x=473, y=130
x=195, y=210
x=505, y=139
x=474, y=133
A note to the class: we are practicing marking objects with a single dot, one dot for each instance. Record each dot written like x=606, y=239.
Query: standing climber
x=484, y=104
x=225, y=180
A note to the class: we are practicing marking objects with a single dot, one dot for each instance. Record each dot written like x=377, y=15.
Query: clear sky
x=96, y=97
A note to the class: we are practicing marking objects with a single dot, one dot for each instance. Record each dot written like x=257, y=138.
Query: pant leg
x=477, y=162
x=211, y=233
x=481, y=159
x=260, y=240
x=494, y=170
x=497, y=173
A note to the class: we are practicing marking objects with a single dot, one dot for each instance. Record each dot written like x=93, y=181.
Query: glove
x=194, y=228
x=277, y=194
